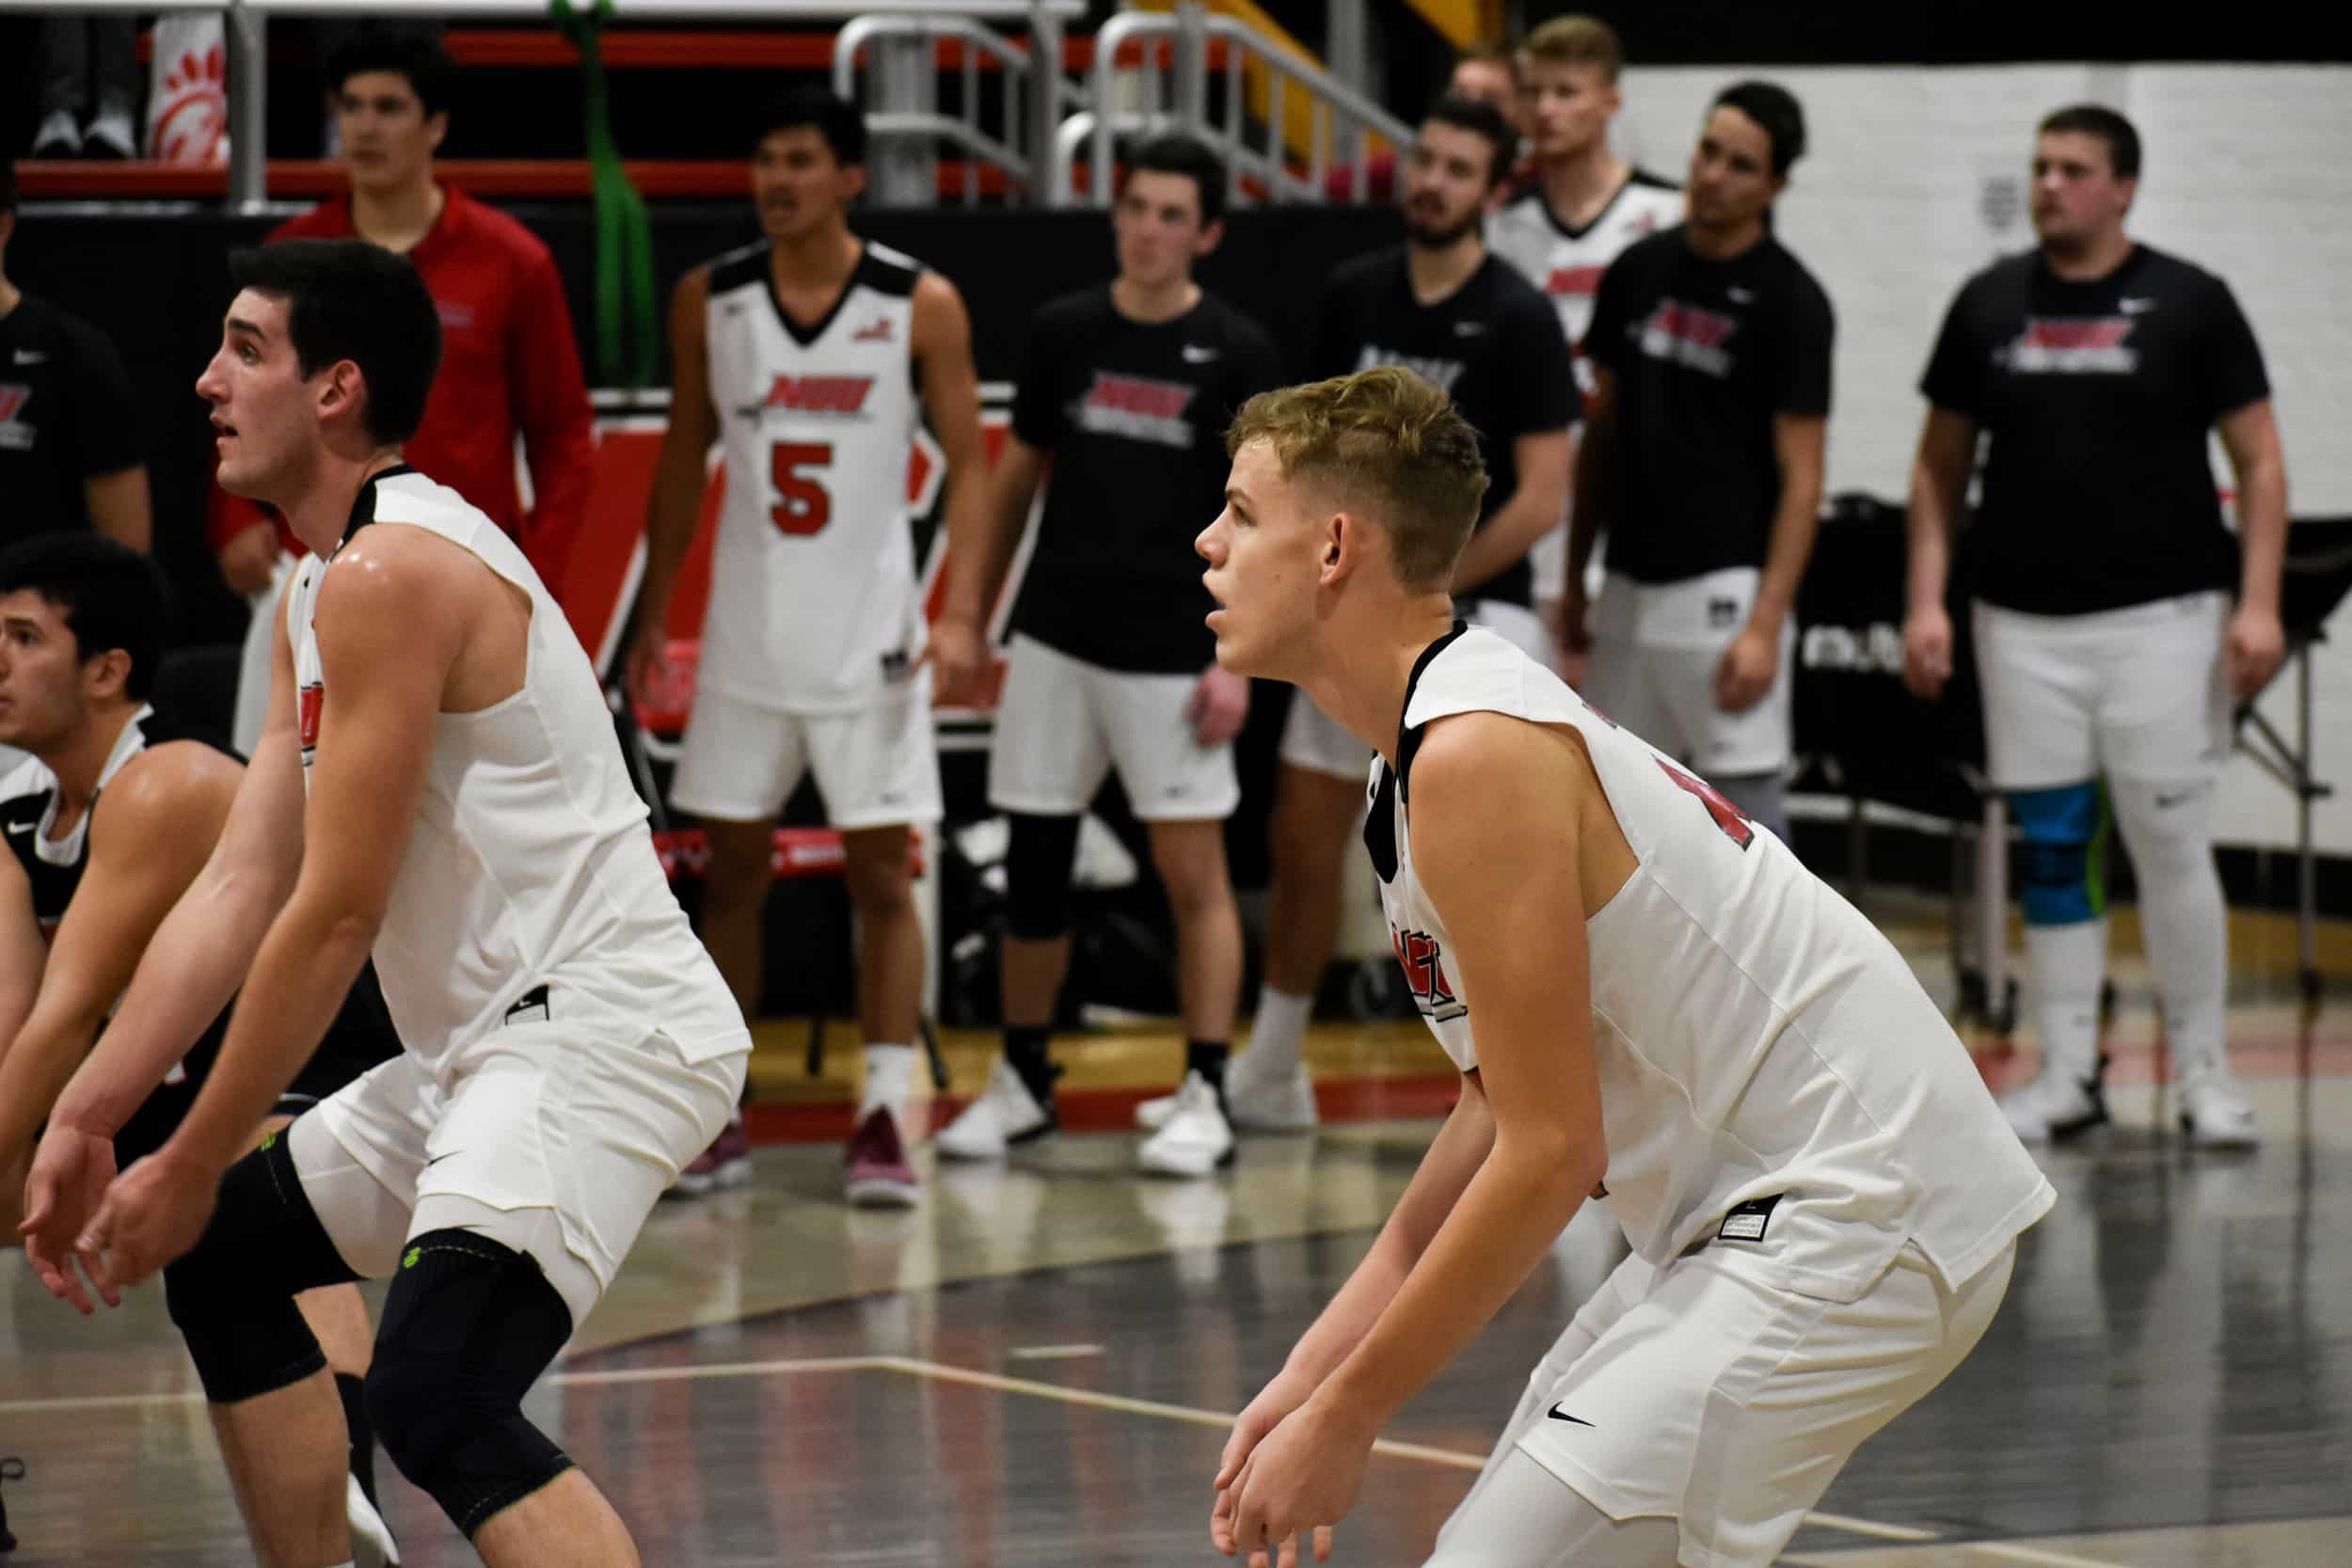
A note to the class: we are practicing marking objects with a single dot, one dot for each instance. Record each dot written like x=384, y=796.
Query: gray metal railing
x=902, y=111
x=1338, y=114
x=248, y=38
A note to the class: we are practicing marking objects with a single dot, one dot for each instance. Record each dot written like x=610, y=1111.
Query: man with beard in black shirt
x=1127, y=386
x=2106, y=645
x=1443, y=306
x=1710, y=345
x=69, y=452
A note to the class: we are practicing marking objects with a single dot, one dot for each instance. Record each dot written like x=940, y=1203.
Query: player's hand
x=2257, y=646
x=70, y=1173
x=153, y=1214
x=1220, y=706
x=1300, y=1480
x=1745, y=671
x=958, y=653
x=1927, y=651
x=647, y=666
x=1575, y=621
x=1286, y=1393
x=249, y=559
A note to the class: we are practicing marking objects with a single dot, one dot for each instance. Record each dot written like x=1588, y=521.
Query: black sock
x=354, y=1392
x=1207, y=1058
x=1024, y=1049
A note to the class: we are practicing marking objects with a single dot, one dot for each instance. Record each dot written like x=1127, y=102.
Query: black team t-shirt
x=1495, y=346
x=1134, y=415
x=1706, y=354
x=64, y=417
x=2098, y=398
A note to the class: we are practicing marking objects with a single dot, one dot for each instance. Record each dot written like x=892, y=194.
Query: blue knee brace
x=2065, y=871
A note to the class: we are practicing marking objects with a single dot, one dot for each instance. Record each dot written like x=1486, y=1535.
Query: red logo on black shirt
x=2072, y=345
x=1138, y=407
x=15, y=436
x=310, y=704
x=1581, y=282
x=820, y=394
x=1687, y=335
x=1423, y=963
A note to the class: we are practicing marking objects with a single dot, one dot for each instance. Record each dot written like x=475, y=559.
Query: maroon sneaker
x=875, y=1169
x=727, y=1162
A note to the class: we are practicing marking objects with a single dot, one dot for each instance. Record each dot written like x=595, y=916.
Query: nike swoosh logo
x=438, y=1159
x=18, y=828
x=31, y=357
x=1557, y=1414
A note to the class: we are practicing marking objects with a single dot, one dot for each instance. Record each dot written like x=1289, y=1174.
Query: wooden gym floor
x=1032, y=1368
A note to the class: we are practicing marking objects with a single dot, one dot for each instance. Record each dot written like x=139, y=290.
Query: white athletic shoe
x=1287, y=1106
x=2213, y=1112
x=2056, y=1106
x=1004, y=1114
x=371, y=1543
x=1195, y=1140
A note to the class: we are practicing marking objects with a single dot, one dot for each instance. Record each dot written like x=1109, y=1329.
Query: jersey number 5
x=803, y=505
x=1736, y=827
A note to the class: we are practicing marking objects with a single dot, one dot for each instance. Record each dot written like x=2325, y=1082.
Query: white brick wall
x=1916, y=177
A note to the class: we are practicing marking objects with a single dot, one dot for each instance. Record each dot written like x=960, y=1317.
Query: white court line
x=1052, y=1353
x=941, y=1372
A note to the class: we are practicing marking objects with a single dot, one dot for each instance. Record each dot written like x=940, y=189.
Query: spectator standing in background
x=90, y=80
x=509, y=365
x=1443, y=306
x=1487, y=72
x=1709, y=349
x=1581, y=206
x=2106, y=646
x=68, y=447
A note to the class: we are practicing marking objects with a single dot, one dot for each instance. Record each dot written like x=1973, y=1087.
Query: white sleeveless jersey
x=1567, y=263
x=814, y=601
x=529, y=888
x=1756, y=1039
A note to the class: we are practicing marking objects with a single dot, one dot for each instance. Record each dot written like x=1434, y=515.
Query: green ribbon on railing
x=625, y=294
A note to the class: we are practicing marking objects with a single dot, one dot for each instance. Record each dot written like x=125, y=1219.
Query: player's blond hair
x=1384, y=441
x=1578, y=40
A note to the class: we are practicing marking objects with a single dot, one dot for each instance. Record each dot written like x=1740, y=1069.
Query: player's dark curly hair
x=347, y=300
x=1481, y=119
x=1776, y=109
x=111, y=595
x=1172, y=152
x=417, y=56
x=834, y=118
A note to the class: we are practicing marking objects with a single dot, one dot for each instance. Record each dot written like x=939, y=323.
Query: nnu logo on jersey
x=842, y=395
x=1574, y=283
x=2071, y=345
x=310, y=705
x=1423, y=963
x=1687, y=335
x=1138, y=408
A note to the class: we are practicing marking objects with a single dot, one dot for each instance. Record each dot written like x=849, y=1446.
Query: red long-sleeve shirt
x=508, y=365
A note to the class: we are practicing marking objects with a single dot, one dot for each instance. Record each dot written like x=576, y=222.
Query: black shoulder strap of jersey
x=1408, y=741
x=1388, y=793
x=363, y=504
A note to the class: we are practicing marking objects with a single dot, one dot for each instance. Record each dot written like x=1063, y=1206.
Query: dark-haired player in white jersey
x=809, y=358
x=1581, y=207
x=2106, y=644
x=1651, y=1003
x=460, y=809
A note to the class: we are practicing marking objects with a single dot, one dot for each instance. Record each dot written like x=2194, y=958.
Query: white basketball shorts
x=553, y=1137
x=2140, y=694
x=1709, y=1393
x=1656, y=646
x=1315, y=742
x=1063, y=723
x=877, y=766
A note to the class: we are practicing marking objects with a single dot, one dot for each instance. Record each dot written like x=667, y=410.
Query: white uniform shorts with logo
x=1063, y=723
x=1314, y=740
x=1656, y=646
x=1709, y=1393
x=877, y=766
x=2138, y=693
x=552, y=1137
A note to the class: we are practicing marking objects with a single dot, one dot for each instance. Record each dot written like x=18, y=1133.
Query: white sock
x=1277, y=1035
x=889, y=1077
x=2066, y=964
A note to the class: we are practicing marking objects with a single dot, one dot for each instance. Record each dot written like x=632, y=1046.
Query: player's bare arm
x=1939, y=478
x=150, y=836
x=1589, y=518
x=120, y=509
x=1499, y=847
x=1013, y=483
x=951, y=406
x=679, y=473
x=1747, y=668
x=2256, y=641
x=1532, y=510
x=22, y=954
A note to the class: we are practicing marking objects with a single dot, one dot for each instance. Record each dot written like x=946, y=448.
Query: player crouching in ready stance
x=1651, y=1002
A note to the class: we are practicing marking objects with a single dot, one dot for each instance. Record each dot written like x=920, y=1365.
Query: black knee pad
x=232, y=1295
x=468, y=1326
x=1038, y=860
